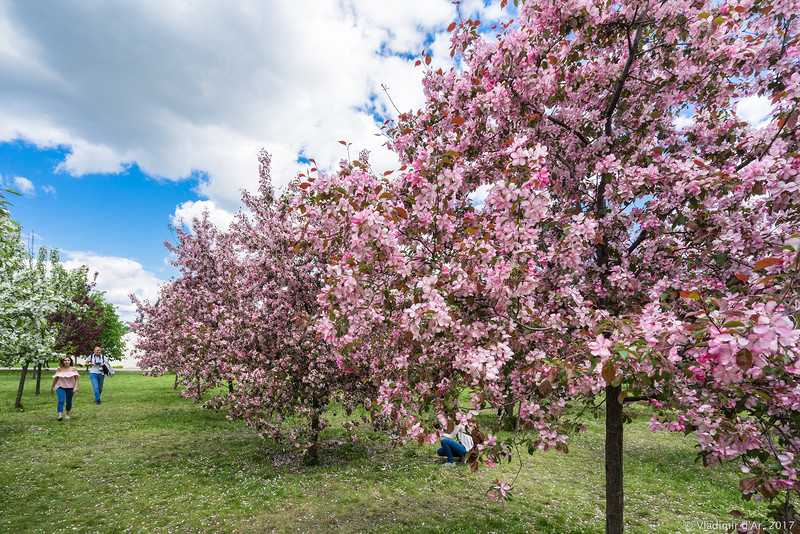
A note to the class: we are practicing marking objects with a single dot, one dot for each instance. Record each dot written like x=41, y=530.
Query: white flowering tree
x=31, y=291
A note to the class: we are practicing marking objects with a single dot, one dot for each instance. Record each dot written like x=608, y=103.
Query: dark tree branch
x=642, y=236
x=612, y=106
x=564, y=125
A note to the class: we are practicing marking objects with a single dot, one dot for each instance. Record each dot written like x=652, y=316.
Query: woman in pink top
x=65, y=383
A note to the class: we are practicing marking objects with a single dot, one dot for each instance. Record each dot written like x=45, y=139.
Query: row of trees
x=47, y=311
x=581, y=218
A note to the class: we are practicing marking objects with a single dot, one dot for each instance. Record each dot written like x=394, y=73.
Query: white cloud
x=118, y=277
x=24, y=186
x=144, y=82
x=19, y=184
x=683, y=121
x=478, y=196
x=90, y=158
x=190, y=210
x=754, y=109
x=49, y=190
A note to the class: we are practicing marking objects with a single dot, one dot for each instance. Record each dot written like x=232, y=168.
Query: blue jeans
x=451, y=448
x=64, y=395
x=97, y=384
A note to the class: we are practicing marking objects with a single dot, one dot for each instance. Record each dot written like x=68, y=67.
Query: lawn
x=149, y=461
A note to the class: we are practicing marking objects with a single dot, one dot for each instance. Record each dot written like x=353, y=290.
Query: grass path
x=147, y=461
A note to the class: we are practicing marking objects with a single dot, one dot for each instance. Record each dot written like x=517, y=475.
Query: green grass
x=149, y=461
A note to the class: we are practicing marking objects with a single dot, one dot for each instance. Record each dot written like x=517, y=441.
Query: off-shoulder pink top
x=67, y=378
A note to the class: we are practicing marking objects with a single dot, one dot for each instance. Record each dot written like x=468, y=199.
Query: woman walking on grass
x=65, y=383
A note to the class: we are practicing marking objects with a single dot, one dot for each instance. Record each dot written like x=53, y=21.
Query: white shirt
x=98, y=359
x=460, y=435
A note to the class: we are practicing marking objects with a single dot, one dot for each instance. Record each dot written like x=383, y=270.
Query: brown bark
x=38, y=378
x=18, y=402
x=614, y=490
x=313, y=458
x=312, y=454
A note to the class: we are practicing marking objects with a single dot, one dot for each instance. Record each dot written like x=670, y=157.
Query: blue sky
x=121, y=214
x=120, y=118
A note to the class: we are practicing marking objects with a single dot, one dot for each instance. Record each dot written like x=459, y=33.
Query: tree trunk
x=18, y=402
x=506, y=415
x=313, y=459
x=230, y=386
x=316, y=410
x=614, y=493
x=175, y=385
x=38, y=378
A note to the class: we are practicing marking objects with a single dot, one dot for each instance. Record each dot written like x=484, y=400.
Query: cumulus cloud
x=19, y=184
x=140, y=82
x=478, y=196
x=24, y=186
x=190, y=210
x=118, y=277
x=754, y=109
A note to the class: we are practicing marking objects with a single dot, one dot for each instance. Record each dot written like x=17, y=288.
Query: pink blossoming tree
x=242, y=315
x=582, y=214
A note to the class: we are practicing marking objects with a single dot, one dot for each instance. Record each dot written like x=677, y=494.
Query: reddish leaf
x=417, y=63
x=748, y=484
x=690, y=294
x=427, y=59
x=766, y=262
x=744, y=359
x=305, y=185
x=458, y=121
x=769, y=490
x=792, y=121
x=739, y=9
x=546, y=388
x=343, y=143
x=767, y=279
x=452, y=26
x=609, y=371
x=741, y=277
x=401, y=212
